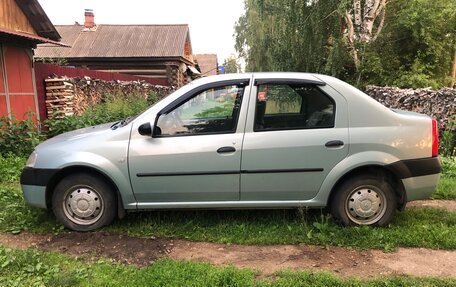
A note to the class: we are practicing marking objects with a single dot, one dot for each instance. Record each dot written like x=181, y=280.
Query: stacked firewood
x=440, y=104
x=59, y=97
x=80, y=93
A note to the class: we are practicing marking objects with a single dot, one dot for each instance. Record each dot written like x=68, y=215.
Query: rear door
x=297, y=131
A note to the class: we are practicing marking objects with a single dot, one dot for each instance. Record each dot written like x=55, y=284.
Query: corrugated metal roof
x=207, y=63
x=119, y=41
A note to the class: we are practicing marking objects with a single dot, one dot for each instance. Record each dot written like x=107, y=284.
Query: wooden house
x=23, y=25
x=155, y=51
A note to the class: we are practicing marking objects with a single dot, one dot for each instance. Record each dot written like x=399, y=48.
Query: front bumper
x=33, y=184
x=37, y=176
x=34, y=195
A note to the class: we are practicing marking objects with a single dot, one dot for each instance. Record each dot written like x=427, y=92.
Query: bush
x=448, y=139
x=113, y=109
x=18, y=137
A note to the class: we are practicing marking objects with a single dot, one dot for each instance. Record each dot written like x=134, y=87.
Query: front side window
x=292, y=106
x=214, y=110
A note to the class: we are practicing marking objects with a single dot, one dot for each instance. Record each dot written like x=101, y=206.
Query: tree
x=364, y=20
x=231, y=65
x=417, y=45
x=291, y=35
x=408, y=43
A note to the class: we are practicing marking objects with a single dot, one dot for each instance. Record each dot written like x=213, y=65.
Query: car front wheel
x=364, y=200
x=84, y=202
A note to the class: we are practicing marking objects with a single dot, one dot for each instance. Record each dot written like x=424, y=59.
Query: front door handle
x=226, y=149
x=335, y=143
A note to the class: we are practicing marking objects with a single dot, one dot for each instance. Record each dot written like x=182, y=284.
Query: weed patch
x=10, y=168
x=18, y=137
x=16, y=216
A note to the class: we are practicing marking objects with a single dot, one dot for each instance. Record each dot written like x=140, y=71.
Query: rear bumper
x=419, y=176
x=416, y=167
x=420, y=187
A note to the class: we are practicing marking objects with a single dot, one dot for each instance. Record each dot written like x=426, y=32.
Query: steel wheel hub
x=366, y=205
x=83, y=206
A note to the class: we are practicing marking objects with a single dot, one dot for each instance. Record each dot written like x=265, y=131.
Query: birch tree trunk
x=364, y=22
x=453, y=70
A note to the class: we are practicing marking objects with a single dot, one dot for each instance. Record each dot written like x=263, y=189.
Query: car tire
x=84, y=202
x=364, y=200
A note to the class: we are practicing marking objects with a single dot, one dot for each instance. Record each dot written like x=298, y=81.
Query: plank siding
x=12, y=17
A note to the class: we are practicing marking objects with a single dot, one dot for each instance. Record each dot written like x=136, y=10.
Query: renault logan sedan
x=261, y=140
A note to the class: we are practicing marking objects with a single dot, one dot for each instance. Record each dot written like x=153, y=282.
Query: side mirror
x=145, y=129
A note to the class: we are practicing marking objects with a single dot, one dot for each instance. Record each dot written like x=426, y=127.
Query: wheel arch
x=376, y=170
x=50, y=187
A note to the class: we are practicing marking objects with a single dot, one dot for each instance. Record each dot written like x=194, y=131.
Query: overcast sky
x=211, y=21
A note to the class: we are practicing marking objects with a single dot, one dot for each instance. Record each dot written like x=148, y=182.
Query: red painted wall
x=3, y=107
x=17, y=84
x=42, y=71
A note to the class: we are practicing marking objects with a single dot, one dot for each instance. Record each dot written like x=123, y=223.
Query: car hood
x=78, y=134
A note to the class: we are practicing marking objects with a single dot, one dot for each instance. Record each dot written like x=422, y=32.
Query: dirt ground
x=449, y=205
x=345, y=262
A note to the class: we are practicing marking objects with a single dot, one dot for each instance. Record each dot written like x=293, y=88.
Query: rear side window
x=291, y=106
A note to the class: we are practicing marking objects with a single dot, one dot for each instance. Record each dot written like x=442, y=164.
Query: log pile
x=440, y=104
x=72, y=96
x=59, y=97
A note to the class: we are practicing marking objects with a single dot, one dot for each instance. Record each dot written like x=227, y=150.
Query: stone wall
x=440, y=104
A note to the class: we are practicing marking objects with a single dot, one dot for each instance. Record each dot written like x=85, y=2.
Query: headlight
x=31, y=160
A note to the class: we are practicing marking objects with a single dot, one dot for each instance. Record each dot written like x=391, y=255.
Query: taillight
x=435, y=138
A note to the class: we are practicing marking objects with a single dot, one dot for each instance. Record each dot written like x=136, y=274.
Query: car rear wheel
x=84, y=202
x=364, y=200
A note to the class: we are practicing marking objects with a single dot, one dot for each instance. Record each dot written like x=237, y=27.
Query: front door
x=195, y=153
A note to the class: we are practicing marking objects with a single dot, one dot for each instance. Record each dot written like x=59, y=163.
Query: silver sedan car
x=259, y=140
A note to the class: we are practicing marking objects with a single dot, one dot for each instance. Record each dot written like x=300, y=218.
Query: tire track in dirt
x=267, y=260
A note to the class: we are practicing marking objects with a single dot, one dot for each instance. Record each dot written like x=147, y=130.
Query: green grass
x=416, y=227
x=35, y=268
x=423, y=227
x=10, y=168
x=446, y=188
x=16, y=216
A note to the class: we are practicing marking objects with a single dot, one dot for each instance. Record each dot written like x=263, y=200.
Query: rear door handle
x=226, y=149
x=335, y=143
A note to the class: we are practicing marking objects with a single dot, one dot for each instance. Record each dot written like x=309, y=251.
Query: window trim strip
x=282, y=81
x=177, y=102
